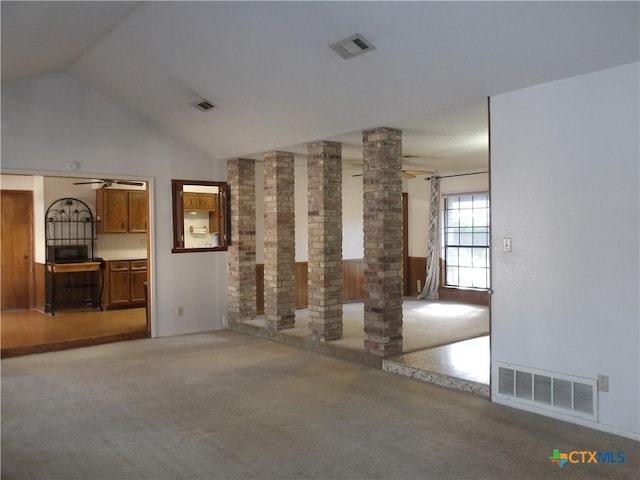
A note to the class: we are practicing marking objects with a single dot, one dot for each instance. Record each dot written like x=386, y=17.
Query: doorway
x=26, y=327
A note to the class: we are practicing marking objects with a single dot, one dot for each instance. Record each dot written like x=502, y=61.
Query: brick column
x=382, y=186
x=241, y=178
x=279, y=241
x=325, y=240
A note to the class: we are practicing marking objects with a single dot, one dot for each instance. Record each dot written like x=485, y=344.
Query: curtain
x=430, y=290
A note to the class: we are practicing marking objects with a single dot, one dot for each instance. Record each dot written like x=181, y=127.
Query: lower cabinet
x=124, y=283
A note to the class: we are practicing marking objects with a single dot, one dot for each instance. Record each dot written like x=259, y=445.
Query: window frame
x=445, y=240
x=177, y=202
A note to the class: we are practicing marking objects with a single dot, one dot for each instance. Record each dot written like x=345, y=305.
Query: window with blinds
x=466, y=240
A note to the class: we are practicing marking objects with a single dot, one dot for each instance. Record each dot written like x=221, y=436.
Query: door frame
x=150, y=181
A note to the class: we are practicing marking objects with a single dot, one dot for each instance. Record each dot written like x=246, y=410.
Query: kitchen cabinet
x=121, y=211
x=124, y=286
x=203, y=202
x=200, y=201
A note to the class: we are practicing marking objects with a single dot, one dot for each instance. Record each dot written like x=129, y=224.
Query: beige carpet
x=426, y=324
x=230, y=406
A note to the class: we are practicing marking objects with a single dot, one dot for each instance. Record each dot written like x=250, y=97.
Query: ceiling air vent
x=352, y=46
x=204, y=105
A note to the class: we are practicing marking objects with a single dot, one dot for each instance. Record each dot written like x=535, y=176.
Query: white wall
x=52, y=120
x=564, y=187
x=352, y=207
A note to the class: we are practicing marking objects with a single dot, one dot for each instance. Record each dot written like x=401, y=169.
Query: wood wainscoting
x=418, y=273
x=353, y=289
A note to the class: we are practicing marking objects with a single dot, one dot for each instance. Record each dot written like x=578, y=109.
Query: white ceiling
x=269, y=68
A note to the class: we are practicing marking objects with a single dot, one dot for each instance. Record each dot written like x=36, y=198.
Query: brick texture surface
x=242, y=251
x=325, y=278
x=279, y=241
x=382, y=192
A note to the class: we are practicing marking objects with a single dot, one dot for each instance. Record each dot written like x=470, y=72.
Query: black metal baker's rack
x=70, y=221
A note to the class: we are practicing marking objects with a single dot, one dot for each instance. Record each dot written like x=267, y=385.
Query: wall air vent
x=352, y=46
x=566, y=394
x=204, y=105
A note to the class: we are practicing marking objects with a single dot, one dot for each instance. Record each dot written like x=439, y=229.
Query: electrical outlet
x=603, y=383
x=180, y=311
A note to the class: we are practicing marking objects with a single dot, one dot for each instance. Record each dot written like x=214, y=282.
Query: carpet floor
x=232, y=406
x=425, y=324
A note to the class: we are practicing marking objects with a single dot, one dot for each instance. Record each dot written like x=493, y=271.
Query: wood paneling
x=354, y=280
x=464, y=295
x=260, y=289
x=302, y=279
x=353, y=274
x=353, y=290
x=417, y=272
x=41, y=289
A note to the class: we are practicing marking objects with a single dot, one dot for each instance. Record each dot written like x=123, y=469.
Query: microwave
x=67, y=253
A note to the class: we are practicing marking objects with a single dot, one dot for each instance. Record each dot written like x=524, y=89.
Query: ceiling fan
x=408, y=172
x=107, y=182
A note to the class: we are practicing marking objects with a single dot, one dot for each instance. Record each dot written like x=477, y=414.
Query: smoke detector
x=204, y=105
x=353, y=46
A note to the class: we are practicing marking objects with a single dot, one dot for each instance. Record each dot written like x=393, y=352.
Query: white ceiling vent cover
x=566, y=394
x=353, y=46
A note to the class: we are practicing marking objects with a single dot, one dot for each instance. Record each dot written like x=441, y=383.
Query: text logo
x=585, y=456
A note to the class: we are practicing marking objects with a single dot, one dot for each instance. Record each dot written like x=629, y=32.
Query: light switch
x=506, y=244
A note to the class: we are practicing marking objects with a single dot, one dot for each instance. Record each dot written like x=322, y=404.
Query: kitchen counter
x=118, y=258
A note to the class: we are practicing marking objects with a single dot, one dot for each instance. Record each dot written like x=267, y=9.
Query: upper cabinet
x=200, y=201
x=121, y=211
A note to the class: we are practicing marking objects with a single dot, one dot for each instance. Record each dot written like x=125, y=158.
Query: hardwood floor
x=24, y=332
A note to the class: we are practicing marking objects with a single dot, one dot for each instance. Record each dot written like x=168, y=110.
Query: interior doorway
x=26, y=327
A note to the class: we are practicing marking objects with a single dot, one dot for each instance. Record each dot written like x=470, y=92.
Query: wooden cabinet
x=200, y=201
x=124, y=286
x=138, y=277
x=138, y=212
x=121, y=211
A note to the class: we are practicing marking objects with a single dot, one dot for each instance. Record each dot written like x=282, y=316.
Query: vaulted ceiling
x=268, y=67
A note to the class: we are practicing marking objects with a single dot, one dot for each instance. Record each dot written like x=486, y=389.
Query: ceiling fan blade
x=416, y=173
x=127, y=182
x=88, y=183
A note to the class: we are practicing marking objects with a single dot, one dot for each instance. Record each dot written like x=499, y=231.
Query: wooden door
x=17, y=249
x=138, y=212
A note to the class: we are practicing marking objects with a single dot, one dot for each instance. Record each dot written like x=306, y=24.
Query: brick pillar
x=325, y=240
x=241, y=175
x=279, y=241
x=382, y=191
